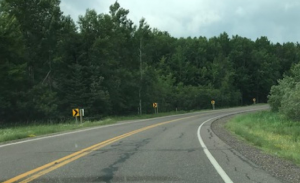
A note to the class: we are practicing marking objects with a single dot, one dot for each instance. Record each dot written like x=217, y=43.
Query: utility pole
x=141, y=72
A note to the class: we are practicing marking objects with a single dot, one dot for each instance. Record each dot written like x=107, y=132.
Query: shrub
x=290, y=103
x=285, y=97
x=277, y=92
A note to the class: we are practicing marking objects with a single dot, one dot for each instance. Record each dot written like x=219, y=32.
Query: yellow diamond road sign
x=154, y=105
x=213, y=102
x=75, y=112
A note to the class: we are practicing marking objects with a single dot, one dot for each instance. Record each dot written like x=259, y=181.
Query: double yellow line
x=40, y=171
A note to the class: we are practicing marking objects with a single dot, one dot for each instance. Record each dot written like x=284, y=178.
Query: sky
x=279, y=20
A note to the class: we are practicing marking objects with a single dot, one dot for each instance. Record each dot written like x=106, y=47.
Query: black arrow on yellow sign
x=75, y=112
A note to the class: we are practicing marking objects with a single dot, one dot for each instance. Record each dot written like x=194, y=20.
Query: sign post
x=254, y=100
x=213, y=104
x=155, y=106
x=81, y=113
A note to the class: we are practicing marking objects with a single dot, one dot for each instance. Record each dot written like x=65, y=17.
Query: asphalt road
x=179, y=148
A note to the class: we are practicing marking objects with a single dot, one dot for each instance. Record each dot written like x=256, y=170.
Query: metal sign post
x=213, y=104
x=155, y=106
x=81, y=111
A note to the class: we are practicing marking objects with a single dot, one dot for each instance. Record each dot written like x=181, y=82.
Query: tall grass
x=269, y=131
x=20, y=132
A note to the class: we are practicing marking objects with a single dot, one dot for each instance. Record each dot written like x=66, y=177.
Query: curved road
x=180, y=148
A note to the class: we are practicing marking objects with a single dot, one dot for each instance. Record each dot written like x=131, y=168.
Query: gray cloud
x=276, y=19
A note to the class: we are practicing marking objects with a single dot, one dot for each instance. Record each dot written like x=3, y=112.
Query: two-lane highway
x=180, y=148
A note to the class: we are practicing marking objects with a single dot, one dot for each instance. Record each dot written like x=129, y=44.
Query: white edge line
x=213, y=161
x=62, y=134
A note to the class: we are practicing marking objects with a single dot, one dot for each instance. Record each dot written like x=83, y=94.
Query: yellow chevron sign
x=75, y=112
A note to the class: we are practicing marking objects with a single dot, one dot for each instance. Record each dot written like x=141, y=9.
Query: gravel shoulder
x=284, y=170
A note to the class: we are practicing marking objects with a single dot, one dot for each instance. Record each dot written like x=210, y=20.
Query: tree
x=109, y=66
x=12, y=67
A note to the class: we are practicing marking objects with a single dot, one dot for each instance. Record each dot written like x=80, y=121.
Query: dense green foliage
x=285, y=96
x=106, y=64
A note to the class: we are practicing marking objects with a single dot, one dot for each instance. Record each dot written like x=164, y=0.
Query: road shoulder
x=281, y=169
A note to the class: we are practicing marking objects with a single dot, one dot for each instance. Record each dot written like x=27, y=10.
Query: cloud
x=276, y=19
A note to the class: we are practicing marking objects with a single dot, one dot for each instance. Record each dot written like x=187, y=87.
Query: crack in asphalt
x=243, y=159
x=181, y=135
x=247, y=176
x=210, y=134
x=109, y=172
x=118, y=144
x=148, y=150
x=227, y=158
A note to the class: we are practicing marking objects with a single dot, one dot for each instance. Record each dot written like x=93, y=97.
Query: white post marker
x=81, y=114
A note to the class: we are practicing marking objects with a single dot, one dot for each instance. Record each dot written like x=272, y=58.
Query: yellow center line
x=54, y=162
x=40, y=171
x=43, y=172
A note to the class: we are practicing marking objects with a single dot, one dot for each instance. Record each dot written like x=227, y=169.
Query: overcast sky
x=279, y=20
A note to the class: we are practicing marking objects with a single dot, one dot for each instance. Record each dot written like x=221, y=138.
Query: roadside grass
x=147, y=116
x=271, y=132
x=33, y=130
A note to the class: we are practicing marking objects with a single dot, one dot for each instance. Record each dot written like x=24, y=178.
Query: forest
x=109, y=66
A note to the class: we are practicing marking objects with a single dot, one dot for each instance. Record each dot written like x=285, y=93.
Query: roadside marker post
x=81, y=115
x=155, y=106
x=75, y=113
x=213, y=104
x=78, y=113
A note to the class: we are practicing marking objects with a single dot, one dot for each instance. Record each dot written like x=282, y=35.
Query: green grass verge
x=269, y=131
x=146, y=116
x=20, y=132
